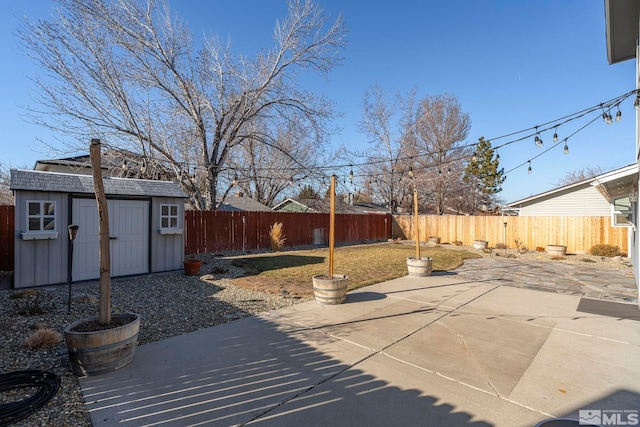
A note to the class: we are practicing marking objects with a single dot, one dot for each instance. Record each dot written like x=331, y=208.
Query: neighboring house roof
x=324, y=206
x=240, y=202
x=581, y=198
x=120, y=163
x=83, y=184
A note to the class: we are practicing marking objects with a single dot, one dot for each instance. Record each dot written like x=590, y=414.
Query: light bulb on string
x=537, y=139
x=618, y=114
x=555, y=135
x=411, y=172
x=609, y=119
x=566, y=147
x=497, y=156
x=235, y=180
x=636, y=103
x=351, y=175
x=529, y=169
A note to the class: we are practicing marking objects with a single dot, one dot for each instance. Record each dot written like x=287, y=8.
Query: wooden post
x=103, y=231
x=415, y=214
x=332, y=225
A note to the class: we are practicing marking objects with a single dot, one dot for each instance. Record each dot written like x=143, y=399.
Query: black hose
x=47, y=384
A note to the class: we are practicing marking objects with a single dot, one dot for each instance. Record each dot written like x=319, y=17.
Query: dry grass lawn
x=291, y=272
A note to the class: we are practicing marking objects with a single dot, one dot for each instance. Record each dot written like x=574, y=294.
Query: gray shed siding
x=40, y=262
x=586, y=201
x=167, y=249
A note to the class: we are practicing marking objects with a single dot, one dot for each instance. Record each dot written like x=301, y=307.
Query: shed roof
x=29, y=180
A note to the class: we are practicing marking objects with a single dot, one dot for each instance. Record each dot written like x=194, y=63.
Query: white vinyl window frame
x=170, y=219
x=41, y=220
x=621, y=212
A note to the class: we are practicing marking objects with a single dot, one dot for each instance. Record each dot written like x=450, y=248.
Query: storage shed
x=146, y=223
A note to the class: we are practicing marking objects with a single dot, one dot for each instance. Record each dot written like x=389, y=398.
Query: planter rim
x=335, y=276
x=68, y=329
x=422, y=258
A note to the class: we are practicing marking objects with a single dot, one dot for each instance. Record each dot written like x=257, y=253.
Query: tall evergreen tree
x=483, y=176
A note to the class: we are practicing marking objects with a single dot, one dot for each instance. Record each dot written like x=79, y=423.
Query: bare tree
x=265, y=166
x=128, y=72
x=388, y=126
x=6, y=197
x=441, y=127
x=416, y=143
x=579, y=174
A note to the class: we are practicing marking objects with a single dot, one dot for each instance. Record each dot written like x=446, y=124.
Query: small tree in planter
x=105, y=343
x=331, y=288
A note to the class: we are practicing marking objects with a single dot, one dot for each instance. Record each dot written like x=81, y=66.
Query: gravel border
x=169, y=304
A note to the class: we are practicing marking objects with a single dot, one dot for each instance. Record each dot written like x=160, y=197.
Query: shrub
x=605, y=250
x=42, y=338
x=457, y=242
x=501, y=246
x=30, y=302
x=557, y=258
x=277, y=237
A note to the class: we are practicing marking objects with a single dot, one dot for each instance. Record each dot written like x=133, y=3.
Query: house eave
x=621, y=21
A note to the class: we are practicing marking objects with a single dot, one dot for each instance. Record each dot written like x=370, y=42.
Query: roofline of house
x=614, y=174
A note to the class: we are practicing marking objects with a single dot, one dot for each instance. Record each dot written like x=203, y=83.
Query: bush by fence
x=576, y=233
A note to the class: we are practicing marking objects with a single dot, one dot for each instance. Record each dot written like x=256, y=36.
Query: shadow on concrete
x=257, y=372
x=363, y=297
x=619, y=408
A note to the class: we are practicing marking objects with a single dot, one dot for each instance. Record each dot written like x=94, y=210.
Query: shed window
x=41, y=216
x=168, y=216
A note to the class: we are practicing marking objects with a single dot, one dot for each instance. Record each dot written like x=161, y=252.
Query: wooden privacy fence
x=216, y=231
x=7, y=215
x=576, y=233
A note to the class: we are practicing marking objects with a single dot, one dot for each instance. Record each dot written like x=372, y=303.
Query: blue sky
x=511, y=64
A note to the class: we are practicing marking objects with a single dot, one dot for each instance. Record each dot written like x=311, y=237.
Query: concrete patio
x=444, y=350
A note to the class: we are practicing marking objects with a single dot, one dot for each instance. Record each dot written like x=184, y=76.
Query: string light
x=529, y=169
x=411, y=172
x=555, y=135
x=513, y=138
x=537, y=139
x=235, y=180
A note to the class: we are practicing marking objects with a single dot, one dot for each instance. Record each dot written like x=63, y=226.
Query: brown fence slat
x=7, y=219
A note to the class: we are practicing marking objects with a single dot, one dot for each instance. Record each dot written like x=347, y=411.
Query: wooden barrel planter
x=557, y=250
x=480, y=244
x=420, y=267
x=192, y=267
x=433, y=240
x=94, y=352
x=330, y=291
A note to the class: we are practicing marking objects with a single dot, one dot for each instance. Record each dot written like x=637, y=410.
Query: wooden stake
x=332, y=225
x=103, y=231
x=415, y=214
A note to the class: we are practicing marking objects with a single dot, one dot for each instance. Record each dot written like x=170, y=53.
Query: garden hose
x=47, y=384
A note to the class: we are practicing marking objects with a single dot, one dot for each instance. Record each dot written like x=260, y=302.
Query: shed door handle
x=113, y=238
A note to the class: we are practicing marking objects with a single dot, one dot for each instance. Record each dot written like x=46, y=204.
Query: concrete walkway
x=446, y=350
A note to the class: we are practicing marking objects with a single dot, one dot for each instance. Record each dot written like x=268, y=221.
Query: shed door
x=129, y=243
